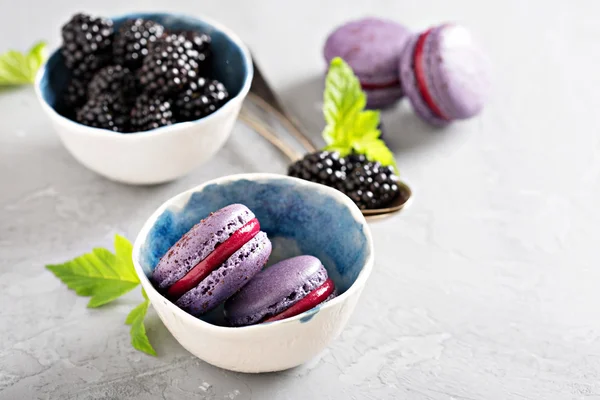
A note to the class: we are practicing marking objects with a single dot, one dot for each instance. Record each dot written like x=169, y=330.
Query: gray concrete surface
x=486, y=288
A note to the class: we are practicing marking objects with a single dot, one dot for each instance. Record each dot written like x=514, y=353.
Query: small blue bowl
x=165, y=153
x=300, y=217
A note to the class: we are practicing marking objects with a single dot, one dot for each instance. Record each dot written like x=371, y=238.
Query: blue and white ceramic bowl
x=162, y=154
x=300, y=217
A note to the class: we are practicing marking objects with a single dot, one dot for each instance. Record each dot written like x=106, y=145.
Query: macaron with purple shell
x=445, y=74
x=372, y=48
x=283, y=290
x=213, y=260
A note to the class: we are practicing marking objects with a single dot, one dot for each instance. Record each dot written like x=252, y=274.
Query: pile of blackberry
x=138, y=77
x=369, y=184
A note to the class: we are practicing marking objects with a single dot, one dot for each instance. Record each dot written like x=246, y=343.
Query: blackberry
x=369, y=184
x=113, y=79
x=151, y=113
x=87, y=43
x=201, y=98
x=170, y=65
x=73, y=97
x=202, y=44
x=105, y=111
x=132, y=41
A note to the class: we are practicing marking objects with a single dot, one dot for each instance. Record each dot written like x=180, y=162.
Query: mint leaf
x=343, y=100
x=100, y=274
x=376, y=150
x=17, y=68
x=109, y=293
x=139, y=339
x=351, y=128
x=124, y=252
x=106, y=276
x=365, y=125
x=344, y=151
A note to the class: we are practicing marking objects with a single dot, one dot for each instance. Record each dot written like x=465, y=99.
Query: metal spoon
x=262, y=96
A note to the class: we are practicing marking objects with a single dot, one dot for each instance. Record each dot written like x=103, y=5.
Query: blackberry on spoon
x=369, y=184
x=355, y=161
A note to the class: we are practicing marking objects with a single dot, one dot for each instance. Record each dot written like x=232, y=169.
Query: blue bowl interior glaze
x=228, y=62
x=297, y=221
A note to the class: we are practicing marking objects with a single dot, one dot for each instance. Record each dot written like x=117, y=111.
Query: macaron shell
x=430, y=58
x=371, y=46
x=230, y=277
x=459, y=72
x=275, y=289
x=383, y=98
x=199, y=242
x=409, y=85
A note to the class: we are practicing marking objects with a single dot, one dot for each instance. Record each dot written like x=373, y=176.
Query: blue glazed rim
x=248, y=73
x=357, y=285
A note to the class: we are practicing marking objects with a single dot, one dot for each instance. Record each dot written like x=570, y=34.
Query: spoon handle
x=264, y=131
x=264, y=97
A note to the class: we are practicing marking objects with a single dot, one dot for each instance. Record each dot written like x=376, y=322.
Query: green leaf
x=139, y=312
x=124, y=252
x=376, y=150
x=343, y=100
x=17, y=68
x=344, y=151
x=351, y=128
x=366, y=123
x=100, y=273
x=139, y=339
x=109, y=293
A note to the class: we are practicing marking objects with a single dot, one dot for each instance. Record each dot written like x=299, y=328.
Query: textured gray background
x=486, y=288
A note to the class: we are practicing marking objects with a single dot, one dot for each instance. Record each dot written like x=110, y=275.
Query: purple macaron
x=372, y=48
x=213, y=260
x=285, y=289
x=445, y=74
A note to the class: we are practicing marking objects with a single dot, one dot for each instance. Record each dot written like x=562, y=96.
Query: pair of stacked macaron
x=442, y=71
x=221, y=259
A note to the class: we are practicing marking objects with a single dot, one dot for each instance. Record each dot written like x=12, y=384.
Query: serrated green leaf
x=107, y=294
x=344, y=151
x=139, y=312
x=366, y=122
x=17, y=68
x=343, y=100
x=100, y=273
x=376, y=150
x=124, y=251
x=351, y=128
x=139, y=339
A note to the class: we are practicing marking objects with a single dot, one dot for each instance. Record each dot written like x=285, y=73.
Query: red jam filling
x=214, y=260
x=385, y=85
x=419, y=68
x=309, y=301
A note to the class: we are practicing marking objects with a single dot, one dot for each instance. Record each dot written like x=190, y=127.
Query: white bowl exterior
x=264, y=347
x=157, y=156
x=152, y=157
x=277, y=348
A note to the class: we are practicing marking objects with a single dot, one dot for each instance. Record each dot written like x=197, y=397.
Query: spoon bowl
x=263, y=97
